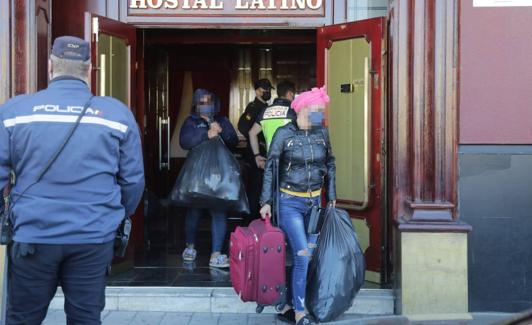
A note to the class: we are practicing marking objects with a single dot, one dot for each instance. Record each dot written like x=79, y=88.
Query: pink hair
x=314, y=97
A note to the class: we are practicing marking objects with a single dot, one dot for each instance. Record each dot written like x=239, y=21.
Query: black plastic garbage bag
x=211, y=179
x=336, y=271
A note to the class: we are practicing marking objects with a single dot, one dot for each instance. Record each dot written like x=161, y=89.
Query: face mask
x=316, y=118
x=206, y=109
x=266, y=96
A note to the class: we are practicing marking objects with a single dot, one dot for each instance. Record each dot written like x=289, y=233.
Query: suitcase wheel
x=259, y=309
x=279, y=307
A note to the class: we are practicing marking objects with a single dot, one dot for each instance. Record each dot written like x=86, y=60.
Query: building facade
x=435, y=174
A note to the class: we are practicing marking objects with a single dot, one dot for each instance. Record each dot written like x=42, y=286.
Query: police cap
x=71, y=48
x=263, y=83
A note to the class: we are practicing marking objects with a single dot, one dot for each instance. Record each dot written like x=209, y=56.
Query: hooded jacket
x=195, y=128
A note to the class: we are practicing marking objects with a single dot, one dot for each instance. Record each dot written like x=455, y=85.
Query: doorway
x=225, y=62
x=347, y=58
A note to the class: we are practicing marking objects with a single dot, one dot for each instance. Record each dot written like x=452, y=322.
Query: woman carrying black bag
x=202, y=125
x=305, y=165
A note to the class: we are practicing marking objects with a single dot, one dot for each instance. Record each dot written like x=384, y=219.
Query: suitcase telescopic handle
x=268, y=221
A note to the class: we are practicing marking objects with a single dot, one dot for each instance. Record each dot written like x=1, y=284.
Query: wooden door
x=349, y=64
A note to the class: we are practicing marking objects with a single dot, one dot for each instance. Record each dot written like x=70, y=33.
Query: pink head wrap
x=314, y=97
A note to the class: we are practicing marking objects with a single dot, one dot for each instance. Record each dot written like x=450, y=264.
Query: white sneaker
x=189, y=254
x=220, y=261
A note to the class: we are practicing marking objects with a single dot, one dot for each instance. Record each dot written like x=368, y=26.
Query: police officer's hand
x=266, y=211
x=260, y=161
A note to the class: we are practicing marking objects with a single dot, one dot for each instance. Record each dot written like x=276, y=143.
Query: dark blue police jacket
x=94, y=183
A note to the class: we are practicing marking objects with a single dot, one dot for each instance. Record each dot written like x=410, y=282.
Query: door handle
x=160, y=127
x=168, y=143
x=102, y=71
x=164, y=122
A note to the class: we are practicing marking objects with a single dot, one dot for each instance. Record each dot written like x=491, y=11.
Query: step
x=215, y=300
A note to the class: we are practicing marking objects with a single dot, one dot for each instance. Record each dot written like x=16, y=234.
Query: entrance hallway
x=226, y=62
x=164, y=267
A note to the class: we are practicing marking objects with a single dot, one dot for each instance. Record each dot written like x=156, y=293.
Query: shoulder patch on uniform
x=276, y=112
x=248, y=117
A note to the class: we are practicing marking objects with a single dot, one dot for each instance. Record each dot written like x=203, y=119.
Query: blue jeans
x=292, y=213
x=218, y=227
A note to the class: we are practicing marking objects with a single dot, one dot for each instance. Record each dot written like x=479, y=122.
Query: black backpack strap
x=276, y=193
x=6, y=230
x=65, y=141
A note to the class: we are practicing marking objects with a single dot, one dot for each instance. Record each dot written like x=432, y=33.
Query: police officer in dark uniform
x=64, y=224
x=255, y=163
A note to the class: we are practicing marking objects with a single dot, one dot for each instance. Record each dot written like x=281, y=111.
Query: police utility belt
x=6, y=231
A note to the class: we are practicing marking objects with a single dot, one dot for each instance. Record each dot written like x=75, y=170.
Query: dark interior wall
x=212, y=67
x=495, y=74
x=495, y=190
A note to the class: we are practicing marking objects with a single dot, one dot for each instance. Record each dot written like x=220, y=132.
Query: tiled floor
x=166, y=268
x=172, y=276
x=162, y=265
x=57, y=317
x=175, y=272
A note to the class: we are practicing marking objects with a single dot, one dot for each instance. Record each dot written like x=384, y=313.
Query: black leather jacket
x=306, y=162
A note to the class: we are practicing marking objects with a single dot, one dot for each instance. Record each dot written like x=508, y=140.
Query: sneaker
x=288, y=316
x=307, y=320
x=189, y=254
x=220, y=261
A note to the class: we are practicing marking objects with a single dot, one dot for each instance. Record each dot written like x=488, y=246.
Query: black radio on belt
x=122, y=237
x=6, y=229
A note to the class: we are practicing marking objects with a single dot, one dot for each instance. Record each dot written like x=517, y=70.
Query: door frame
x=121, y=30
x=129, y=34
x=373, y=30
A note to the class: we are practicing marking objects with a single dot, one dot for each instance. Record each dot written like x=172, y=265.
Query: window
x=365, y=9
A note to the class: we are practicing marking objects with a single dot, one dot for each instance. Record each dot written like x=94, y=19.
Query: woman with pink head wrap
x=310, y=107
x=302, y=155
x=316, y=97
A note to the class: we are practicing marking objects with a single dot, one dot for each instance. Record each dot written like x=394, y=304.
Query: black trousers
x=35, y=271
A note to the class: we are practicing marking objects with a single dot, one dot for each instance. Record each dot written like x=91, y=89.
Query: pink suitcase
x=257, y=260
